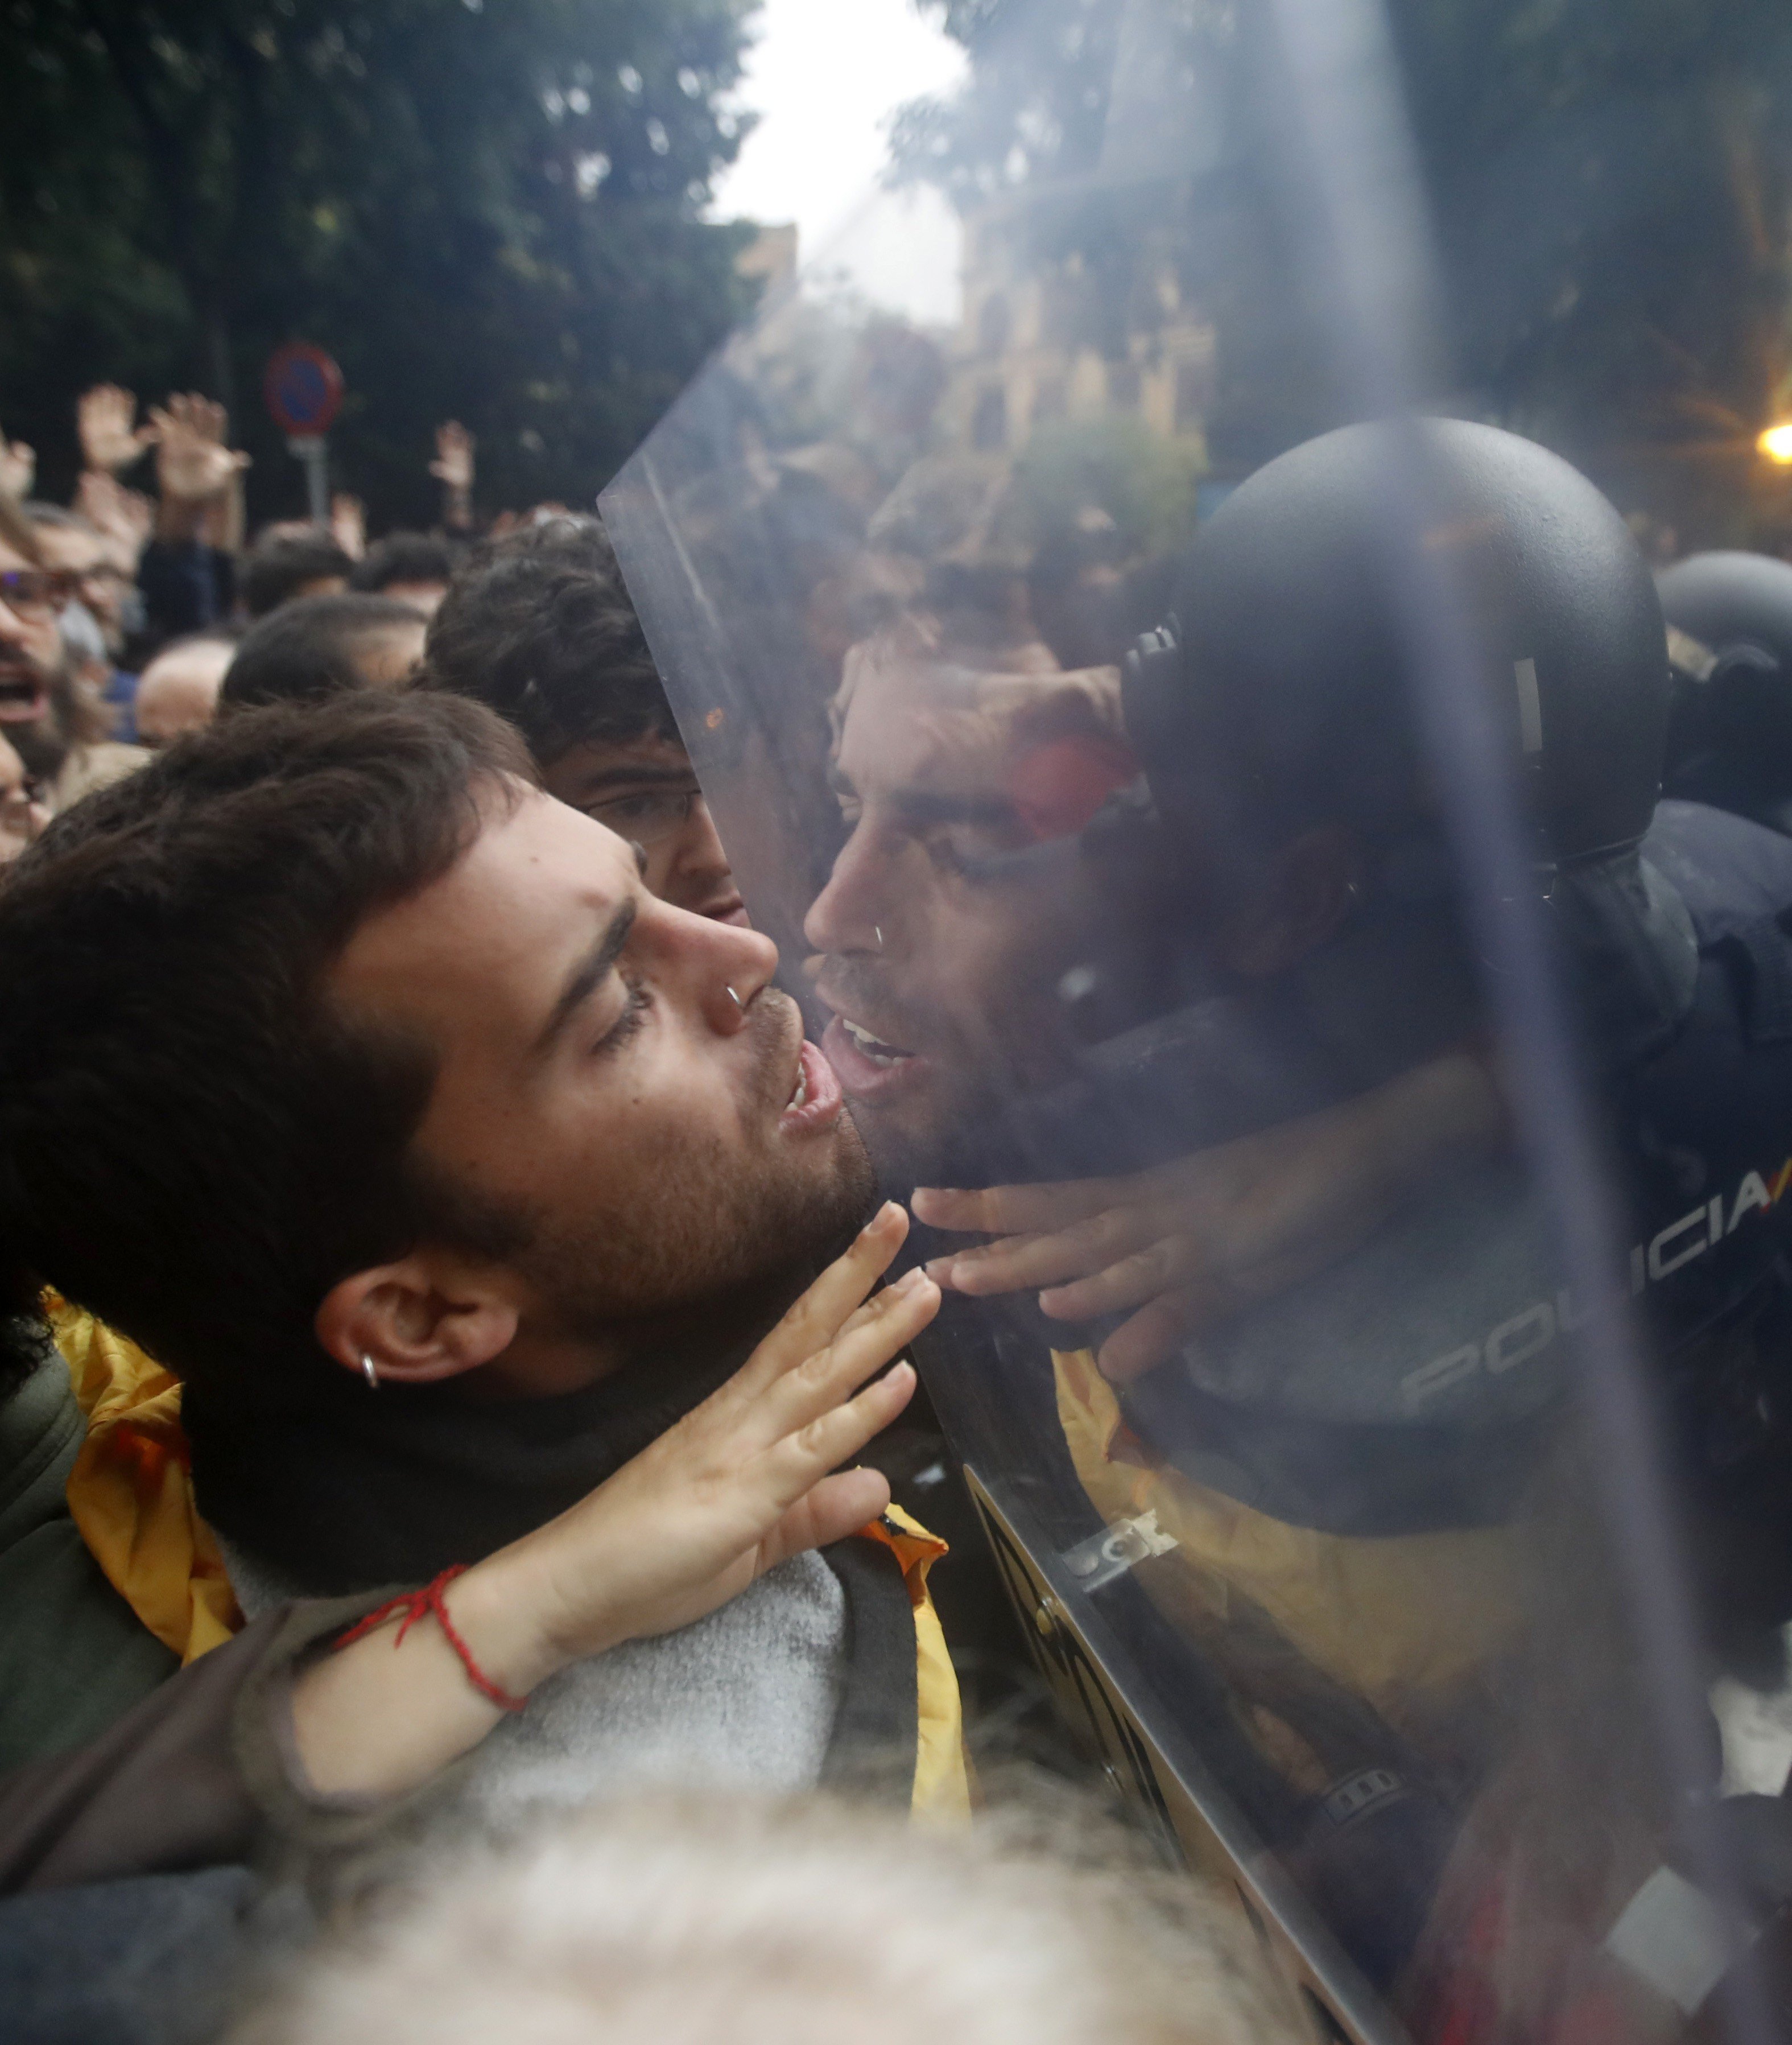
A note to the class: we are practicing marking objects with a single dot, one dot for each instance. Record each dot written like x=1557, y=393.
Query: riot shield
x=1349, y=1123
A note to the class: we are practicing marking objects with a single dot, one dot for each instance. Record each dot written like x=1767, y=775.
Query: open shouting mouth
x=23, y=697
x=871, y=1067
x=816, y=1100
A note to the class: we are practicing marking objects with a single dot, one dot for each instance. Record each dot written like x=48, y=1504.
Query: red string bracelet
x=414, y=1605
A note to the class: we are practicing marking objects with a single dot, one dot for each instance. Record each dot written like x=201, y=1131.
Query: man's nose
x=852, y=912
x=698, y=853
x=718, y=967
x=12, y=626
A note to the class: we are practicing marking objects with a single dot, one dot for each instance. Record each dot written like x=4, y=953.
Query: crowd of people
x=460, y=1401
x=397, y=872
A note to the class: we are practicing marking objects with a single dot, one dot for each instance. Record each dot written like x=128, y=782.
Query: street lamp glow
x=1776, y=443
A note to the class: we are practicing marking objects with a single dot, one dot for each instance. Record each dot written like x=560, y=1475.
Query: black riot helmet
x=1287, y=658
x=1729, y=617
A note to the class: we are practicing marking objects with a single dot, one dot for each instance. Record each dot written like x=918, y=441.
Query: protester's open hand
x=751, y=1476
x=1186, y=1244
x=348, y=524
x=18, y=468
x=111, y=440
x=453, y=465
x=194, y=462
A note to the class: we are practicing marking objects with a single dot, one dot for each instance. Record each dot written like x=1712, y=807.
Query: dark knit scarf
x=358, y=1487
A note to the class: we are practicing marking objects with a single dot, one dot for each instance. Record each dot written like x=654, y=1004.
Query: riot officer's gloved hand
x=1182, y=1245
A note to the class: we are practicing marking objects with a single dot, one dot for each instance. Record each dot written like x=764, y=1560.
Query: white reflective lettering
x=1431, y=1377
x=1751, y=1193
x=1518, y=1340
x=1660, y=1265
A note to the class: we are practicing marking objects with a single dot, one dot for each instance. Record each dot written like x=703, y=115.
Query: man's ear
x=416, y=1320
x=1312, y=885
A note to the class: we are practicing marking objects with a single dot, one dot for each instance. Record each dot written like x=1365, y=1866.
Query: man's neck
x=544, y=1361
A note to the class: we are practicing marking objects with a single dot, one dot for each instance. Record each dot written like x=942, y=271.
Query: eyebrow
x=646, y=777
x=585, y=978
x=923, y=806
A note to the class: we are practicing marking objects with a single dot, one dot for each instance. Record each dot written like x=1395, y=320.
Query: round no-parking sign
x=303, y=388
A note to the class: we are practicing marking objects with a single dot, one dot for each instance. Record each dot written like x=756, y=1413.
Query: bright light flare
x=1776, y=443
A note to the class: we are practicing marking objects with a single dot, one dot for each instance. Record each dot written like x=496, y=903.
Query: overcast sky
x=826, y=76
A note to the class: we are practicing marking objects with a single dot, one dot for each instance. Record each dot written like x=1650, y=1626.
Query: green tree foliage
x=1610, y=185
x=486, y=210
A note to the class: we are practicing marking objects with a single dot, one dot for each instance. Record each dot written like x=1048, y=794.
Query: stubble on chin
x=712, y=1235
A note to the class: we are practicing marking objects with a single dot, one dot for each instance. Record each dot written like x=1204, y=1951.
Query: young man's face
x=942, y=952
x=662, y=1140
x=645, y=790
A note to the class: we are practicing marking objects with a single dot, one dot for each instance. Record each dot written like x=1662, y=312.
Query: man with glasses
x=539, y=625
x=58, y=735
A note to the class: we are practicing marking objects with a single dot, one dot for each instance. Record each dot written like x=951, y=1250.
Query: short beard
x=713, y=1261
x=718, y=1239
x=44, y=748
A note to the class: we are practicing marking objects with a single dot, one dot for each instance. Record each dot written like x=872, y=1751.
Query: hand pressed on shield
x=1186, y=1244
x=749, y=1478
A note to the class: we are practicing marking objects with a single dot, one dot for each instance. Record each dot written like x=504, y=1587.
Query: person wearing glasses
x=58, y=733
x=539, y=626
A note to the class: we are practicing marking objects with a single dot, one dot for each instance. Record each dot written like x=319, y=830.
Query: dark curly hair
x=310, y=648
x=405, y=558
x=193, y=1144
x=279, y=566
x=539, y=625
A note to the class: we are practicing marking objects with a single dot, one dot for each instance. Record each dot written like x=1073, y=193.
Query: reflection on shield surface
x=1351, y=1117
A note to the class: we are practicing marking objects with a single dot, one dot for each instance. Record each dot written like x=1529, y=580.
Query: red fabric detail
x=1059, y=786
x=414, y=1604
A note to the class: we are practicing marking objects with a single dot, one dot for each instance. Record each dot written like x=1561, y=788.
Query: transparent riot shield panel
x=1205, y=802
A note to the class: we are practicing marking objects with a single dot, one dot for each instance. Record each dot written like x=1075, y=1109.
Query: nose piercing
x=738, y=1003
x=369, y=1373
x=877, y=932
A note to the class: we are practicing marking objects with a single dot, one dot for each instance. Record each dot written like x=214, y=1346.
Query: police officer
x=1729, y=620
x=1342, y=1464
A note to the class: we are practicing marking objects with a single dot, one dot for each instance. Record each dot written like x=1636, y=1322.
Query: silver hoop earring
x=369, y=1373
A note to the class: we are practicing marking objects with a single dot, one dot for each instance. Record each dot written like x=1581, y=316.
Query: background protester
x=23, y=814
x=319, y=646
x=290, y=562
x=57, y=732
x=411, y=568
x=539, y=625
x=187, y=573
x=178, y=691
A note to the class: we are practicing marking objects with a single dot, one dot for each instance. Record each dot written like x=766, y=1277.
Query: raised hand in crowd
x=453, y=469
x=747, y=1479
x=195, y=466
x=111, y=440
x=18, y=468
x=1186, y=1244
x=123, y=518
x=348, y=524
